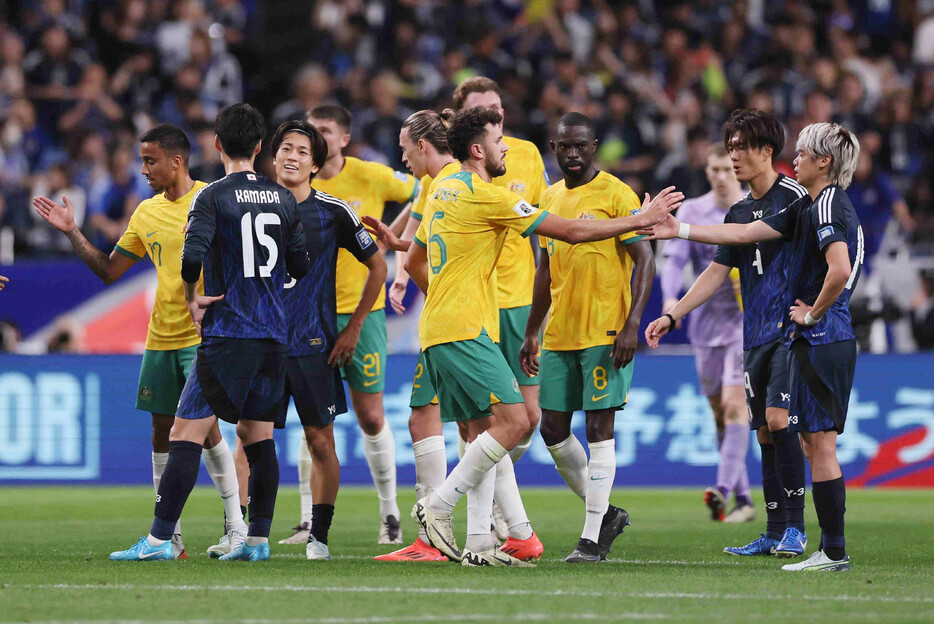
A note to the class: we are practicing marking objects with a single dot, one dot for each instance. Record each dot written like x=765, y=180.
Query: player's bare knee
x=371, y=421
x=734, y=413
x=554, y=429
x=764, y=436
x=600, y=426
x=320, y=445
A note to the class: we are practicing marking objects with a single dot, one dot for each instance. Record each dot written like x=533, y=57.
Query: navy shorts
x=316, y=388
x=233, y=379
x=766, y=380
x=820, y=377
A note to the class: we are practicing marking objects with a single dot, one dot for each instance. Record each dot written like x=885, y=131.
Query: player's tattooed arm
x=576, y=231
x=541, y=302
x=700, y=291
x=624, y=346
x=62, y=217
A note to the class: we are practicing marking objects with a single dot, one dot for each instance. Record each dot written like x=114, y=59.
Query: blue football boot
x=142, y=550
x=761, y=546
x=260, y=552
x=792, y=545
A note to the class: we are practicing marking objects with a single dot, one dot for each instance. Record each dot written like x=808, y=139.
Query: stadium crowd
x=81, y=80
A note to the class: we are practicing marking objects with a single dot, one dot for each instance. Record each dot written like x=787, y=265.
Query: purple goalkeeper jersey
x=718, y=321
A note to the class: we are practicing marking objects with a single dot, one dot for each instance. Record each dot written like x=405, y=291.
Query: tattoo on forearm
x=91, y=255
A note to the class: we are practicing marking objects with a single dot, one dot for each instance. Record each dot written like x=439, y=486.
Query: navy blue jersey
x=245, y=230
x=761, y=266
x=810, y=226
x=310, y=304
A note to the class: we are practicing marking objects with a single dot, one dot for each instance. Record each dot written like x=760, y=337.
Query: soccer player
x=365, y=187
x=316, y=349
x=592, y=331
x=515, y=269
x=754, y=139
x=245, y=231
x=155, y=229
x=821, y=271
x=456, y=248
x=716, y=334
x=423, y=139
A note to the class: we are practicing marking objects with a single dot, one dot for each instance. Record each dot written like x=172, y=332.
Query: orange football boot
x=526, y=549
x=418, y=551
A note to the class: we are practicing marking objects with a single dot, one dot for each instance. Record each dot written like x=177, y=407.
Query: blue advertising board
x=72, y=419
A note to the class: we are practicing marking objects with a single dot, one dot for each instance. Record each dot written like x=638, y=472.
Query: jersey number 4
x=247, y=227
x=758, y=261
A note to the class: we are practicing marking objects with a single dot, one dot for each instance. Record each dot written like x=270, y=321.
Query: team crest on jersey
x=145, y=393
x=446, y=194
x=824, y=232
x=400, y=176
x=517, y=187
x=515, y=385
x=364, y=239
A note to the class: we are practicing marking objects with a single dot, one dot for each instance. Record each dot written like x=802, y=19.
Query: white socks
x=482, y=455
x=479, y=510
x=519, y=449
x=571, y=462
x=380, y=453
x=304, y=481
x=431, y=467
x=509, y=500
x=220, y=464
x=601, y=472
x=159, y=460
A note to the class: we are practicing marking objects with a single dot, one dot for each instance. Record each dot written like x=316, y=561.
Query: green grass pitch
x=668, y=566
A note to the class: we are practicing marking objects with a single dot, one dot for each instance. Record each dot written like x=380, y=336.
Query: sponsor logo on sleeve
x=363, y=237
x=524, y=208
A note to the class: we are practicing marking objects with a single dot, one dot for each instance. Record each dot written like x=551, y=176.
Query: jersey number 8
x=247, y=226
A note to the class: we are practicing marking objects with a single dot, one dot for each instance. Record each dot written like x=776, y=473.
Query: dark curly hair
x=468, y=128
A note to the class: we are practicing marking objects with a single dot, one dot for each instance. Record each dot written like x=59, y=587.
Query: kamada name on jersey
x=257, y=197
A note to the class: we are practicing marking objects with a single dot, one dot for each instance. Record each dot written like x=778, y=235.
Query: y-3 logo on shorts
x=793, y=419
x=332, y=409
x=790, y=493
x=771, y=506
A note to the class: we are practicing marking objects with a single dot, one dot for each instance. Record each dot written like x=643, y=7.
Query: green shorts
x=366, y=372
x=469, y=376
x=512, y=323
x=582, y=380
x=423, y=391
x=161, y=379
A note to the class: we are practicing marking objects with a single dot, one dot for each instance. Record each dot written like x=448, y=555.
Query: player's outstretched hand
x=656, y=329
x=197, y=307
x=798, y=311
x=655, y=210
x=3, y=281
x=528, y=355
x=397, y=294
x=624, y=347
x=344, y=346
x=60, y=217
x=663, y=230
x=385, y=235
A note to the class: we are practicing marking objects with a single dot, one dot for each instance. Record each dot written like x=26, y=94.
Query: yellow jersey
x=155, y=229
x=525, y=176
x=424, y=189
x=590, y=282
x=366, y=187
x=465, y=226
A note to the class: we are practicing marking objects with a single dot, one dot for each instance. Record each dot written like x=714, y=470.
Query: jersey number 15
x=247, y=227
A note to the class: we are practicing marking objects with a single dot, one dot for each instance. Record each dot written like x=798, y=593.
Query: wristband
x=670, y=318
x=809, y=320
x=684, y=231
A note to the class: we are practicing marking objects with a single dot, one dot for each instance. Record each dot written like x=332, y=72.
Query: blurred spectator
x=55, y=184
x=380, y=124
x=94, y=110
x=112, y=201
x=221, y=78
x=687, y=171
x=311, y=87
x=205, y=163
x=922, y=312
x=9, y=337
x=173, y=37
x=12, y=80
x=52, y=73
x=65, y=337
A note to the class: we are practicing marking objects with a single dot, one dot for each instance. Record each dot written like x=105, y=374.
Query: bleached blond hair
x=833, y=140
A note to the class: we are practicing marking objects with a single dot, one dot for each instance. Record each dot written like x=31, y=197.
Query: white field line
x=557, y=593
x=469, y=617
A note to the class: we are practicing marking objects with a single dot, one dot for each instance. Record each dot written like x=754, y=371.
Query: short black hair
x=319, y=147
x=757, y=129
x=171, y=139
x=468, y=128
x=332, y=112
x=239, y=127
x=574, y=119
